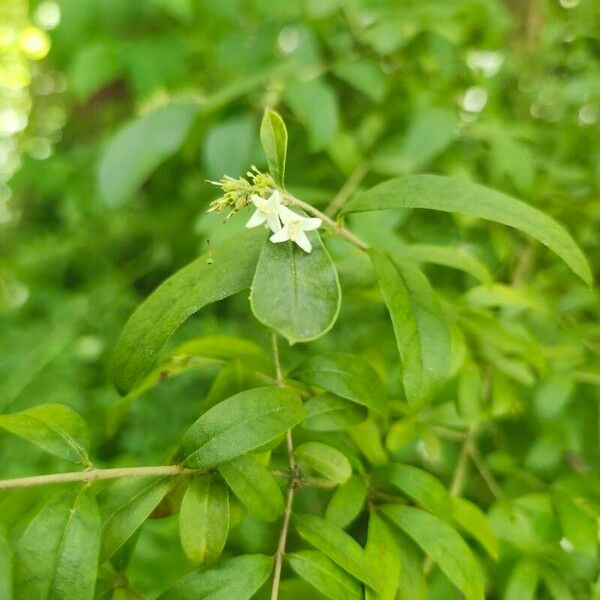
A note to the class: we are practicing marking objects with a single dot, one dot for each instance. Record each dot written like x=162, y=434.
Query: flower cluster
x=285, y=224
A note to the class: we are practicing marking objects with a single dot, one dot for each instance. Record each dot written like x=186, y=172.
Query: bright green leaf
x=384, y=557
x=294, y=292
x=347, y=502
x=365, y=75
x=322, y=573
x=474, y=522
x=227, y=271
x=254, y=485
x=422, y=332
x=523, y=582
x=241, y=424
x=6, y=575
x=56, y=428
x=274, y=139
x=57, y=555
x=327, y=412
x=204, y=518
x=325, y=460
x=452, y=195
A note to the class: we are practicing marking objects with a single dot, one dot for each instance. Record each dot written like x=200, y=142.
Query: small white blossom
x=267, y=211
x=294, y=228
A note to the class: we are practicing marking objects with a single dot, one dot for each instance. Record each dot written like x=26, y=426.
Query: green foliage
x=396, y=399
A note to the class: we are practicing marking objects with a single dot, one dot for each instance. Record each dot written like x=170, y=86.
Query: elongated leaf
x=327, y=412
x=384, y=557
x=204, y=519
x=577, y=526
x=444, y=545
x=56, y=428
x=324, y=459
x=347, y=502
x=6, y=575
x=421, y=330
x=227, y=272
x=523, y=582
x=140, y=147
x=254, y=485
x=322, y=573
x=413, y=585
x=345, y=375
x=367, y=437
x=337, y=545
x=294, y=292
x=241, y=424
x=555, y=584
x=57, y=555
x=238, y=578
x=421, y=486
x=473, y=521
x=125, y=505
x=274, y=139
x=452, y=195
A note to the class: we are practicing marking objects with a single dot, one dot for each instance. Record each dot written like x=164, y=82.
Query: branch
x=347, y=189
x=91, y=475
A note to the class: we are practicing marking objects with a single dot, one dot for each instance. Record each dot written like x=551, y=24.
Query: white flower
x=267, y=211
x=294, y=227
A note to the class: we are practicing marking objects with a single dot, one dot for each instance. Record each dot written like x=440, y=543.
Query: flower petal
x=308, y=224
x=259, y=201
x=258, y=218
x=274, y=223
x=283, y=235
x=303, y=241
x=288, y=216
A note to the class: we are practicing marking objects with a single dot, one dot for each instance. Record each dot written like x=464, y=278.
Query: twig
x=91, y=475
x=335, y=227
x=289, y=501
x=484, y=471
x=347, y=189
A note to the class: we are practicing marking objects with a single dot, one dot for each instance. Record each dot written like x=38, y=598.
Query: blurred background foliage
x=96, y=211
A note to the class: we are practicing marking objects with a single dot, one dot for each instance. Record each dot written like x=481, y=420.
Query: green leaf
x=204, y=518
x=347, y=502
x=327, y=412
x=322, y=573
x=365, y=75
x=315, y=105
x=577, y=526
x=345, y=375
x=6, y=573
x=140, y=146
x=227, y=271
x=555, y=584
x=56, y=428
x=125, y=505
x=384, y=557
x=241, y=424
x=236, y=578
x=254, y=485
x=337, y=545
x=274, y=139
x=473, y=521
x=413, y=584
x=367, y=437
x=57, y=555
x=454, y=257
x=296, y=293
x=523, y=582
x=324, y=459
x=422, y=333
x=421, y=486
x=452, y=195
x=444, y=545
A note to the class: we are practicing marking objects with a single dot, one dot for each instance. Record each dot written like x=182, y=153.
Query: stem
x=458, y=478
x=335, y=227
x=289, y=501
x=91, y=475
x=484, y=471
x=347, y=189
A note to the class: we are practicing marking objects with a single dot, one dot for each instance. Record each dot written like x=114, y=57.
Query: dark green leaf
x=327, y=412
x=56, y=428
x=444, y=545
x=236, y=578
x=345, y=375
x=274, y=139
x=456, y=196
x=204, y=518
x=421, y=329
x=337, y=545
x=455, y=257
x=57, y=555
x=294, y=292
x=125, y=505
x=324, y=575
x=6, y=576
x=347, y=502
x=325, y=460
x=254, y=485
x=241, y=424
x=228, y=271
